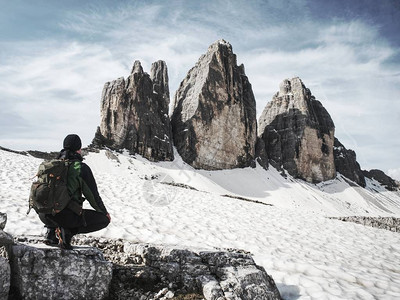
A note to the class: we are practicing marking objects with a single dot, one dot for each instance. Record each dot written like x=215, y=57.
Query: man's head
x=72, y=142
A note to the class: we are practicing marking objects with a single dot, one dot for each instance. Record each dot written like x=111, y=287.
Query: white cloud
x=341, y=62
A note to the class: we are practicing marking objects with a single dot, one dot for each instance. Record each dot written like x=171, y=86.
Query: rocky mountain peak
x=298, y=133
x=134, y=114
x=214, y=118
x=220, y=44
x=137, y=67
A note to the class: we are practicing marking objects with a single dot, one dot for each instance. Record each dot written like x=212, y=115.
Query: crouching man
x=72, y=220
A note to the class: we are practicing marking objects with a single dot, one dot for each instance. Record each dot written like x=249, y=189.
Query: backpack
x=49, y=193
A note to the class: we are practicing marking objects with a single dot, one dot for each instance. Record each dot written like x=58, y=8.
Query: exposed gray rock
x=5, y=238
x=3, y=220
x=34, y=153
x=144, y=271
x=387, y=223
x=134, y=114
x=298, y=133
x=40, y=272
x=214, y=119
x=4, y=278
x=387, y=181
x=346, y=163
x=219, y=274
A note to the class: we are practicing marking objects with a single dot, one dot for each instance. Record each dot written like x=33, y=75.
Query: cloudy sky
x=55, y=57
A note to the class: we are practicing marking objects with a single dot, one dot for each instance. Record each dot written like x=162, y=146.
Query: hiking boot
x=64, y=237
x=50, y=238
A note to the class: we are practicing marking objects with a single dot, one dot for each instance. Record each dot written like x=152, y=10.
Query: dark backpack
x=49, y=194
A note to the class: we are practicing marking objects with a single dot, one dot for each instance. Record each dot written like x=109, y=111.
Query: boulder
x=4, y=278
x=346, y=163
x=140, y=271
x=41, y=272
x=298, y=133
x=134, y=114
x=214, y=119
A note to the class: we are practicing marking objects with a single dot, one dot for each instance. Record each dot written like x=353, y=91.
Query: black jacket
x=81, y=181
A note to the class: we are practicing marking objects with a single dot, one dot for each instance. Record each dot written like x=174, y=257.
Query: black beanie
x=72, y=142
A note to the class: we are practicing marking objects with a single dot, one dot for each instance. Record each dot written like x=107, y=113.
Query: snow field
x=308, y=255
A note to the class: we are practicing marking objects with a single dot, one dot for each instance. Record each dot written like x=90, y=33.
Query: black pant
x=89, y=221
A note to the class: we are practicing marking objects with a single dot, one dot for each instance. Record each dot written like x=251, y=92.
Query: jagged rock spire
x=298, y=133
x=134, y=114
x=214, y=119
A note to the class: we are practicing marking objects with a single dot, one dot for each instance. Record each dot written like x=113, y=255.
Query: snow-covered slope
x=308, y=255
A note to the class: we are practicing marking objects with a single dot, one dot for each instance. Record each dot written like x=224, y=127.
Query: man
x=73, y=219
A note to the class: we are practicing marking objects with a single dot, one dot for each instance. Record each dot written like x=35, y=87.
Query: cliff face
x=346, y=163
x=214, y=119
x=298, y=133
x=134, y=114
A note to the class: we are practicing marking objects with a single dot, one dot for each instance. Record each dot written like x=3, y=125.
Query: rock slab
x=214, y=119
x=5, y=271
x=134, y=114
x=40, y=272
x=298, y=133
x=217, y=275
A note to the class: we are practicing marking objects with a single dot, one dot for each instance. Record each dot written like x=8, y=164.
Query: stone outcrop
x=147, y=272
x=214, y=118
x=134, y=114
x=5, y=271
x=41, y=272
x=4, y=278
x=387, y=181
x=215, y=274
x=387, y=223
x=298, y=133
x=346, y=163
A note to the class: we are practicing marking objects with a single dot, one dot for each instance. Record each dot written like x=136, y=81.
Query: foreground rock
x=5, y=271
x=346, y=163
x=298, y=133
x=214, y=274
x=214, y=119
x=143, y=271
x=4, y=278
x=134, y=114
x=41, y=272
